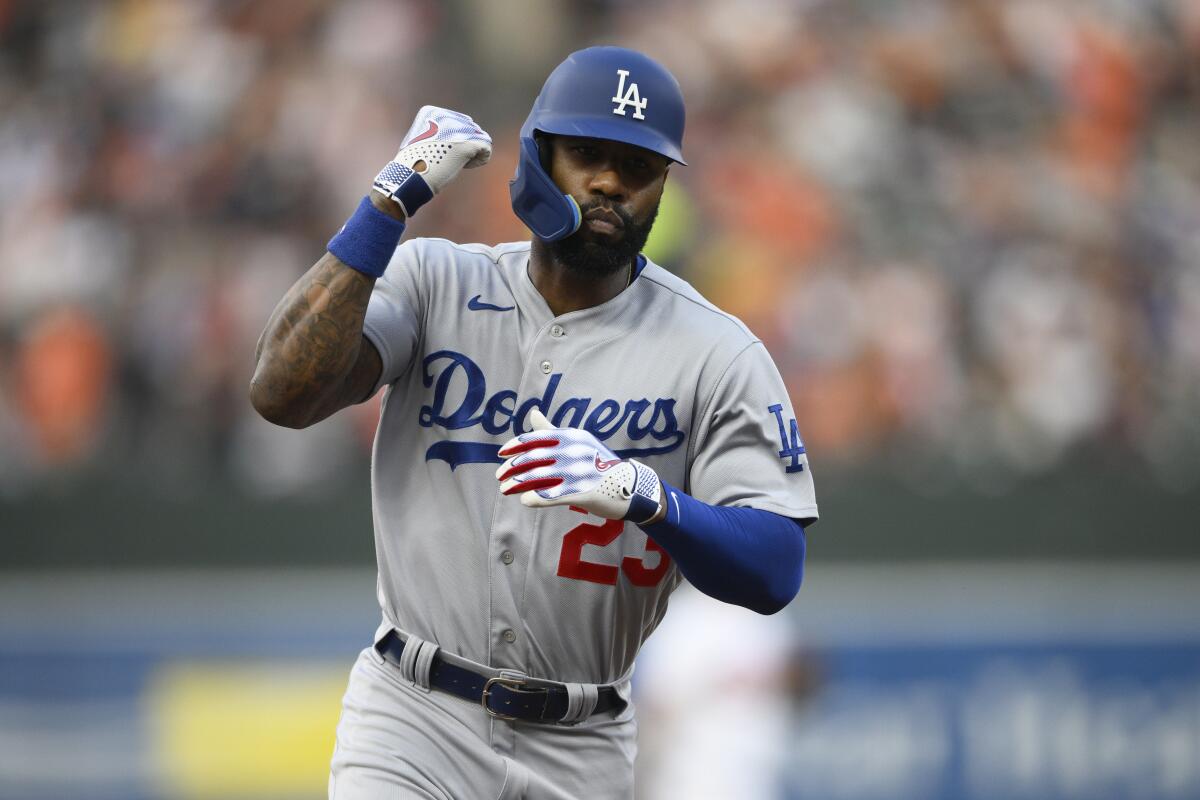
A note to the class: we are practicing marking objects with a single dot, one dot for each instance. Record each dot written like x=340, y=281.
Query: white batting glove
x=566, y=466
x=439, y=144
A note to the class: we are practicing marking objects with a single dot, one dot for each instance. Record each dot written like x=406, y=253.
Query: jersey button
x=557, y=331
x=509, y=635
x=546, y=367
x=507, y=556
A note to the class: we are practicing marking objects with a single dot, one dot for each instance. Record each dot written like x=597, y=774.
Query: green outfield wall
x=1081, y=511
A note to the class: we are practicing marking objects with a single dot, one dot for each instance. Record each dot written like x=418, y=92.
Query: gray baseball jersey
x=469, y=348
x=657, y=373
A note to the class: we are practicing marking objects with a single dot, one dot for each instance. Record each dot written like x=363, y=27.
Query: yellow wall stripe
x=245, y=729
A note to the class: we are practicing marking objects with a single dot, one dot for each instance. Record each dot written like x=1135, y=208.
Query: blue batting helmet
x=601, y=93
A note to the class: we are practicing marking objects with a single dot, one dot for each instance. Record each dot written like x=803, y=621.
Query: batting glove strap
x=645, y=494
x=403, y=185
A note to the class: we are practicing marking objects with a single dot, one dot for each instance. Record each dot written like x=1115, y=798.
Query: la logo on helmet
x=628, y=97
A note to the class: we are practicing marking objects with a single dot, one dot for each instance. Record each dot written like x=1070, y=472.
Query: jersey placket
x=513, y=534
x=525, y=544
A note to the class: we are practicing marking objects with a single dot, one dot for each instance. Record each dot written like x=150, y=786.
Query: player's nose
x=606, y=180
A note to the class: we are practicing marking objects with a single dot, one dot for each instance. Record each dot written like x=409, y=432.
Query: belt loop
x=581, y=702
x=414, y=648
x=423, y=665
x=511, y=675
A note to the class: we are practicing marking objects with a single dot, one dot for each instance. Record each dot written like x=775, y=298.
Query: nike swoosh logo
x=604, y=466
x=433, y=129
x=476, y=305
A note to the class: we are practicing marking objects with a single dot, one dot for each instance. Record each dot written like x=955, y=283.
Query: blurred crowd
x=968, y=231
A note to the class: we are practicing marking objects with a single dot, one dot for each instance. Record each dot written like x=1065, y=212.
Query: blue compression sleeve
x=744, y=556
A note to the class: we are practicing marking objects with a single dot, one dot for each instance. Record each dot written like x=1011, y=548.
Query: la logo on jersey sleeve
x=629, y=97
x=791, y=446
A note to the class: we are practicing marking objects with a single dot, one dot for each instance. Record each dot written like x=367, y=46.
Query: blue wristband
x=367, y=240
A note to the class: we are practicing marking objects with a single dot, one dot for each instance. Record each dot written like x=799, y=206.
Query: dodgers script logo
x=501, y=414
x=628, y=97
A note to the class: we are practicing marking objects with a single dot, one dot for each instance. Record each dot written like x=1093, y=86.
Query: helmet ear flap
x=537, y=200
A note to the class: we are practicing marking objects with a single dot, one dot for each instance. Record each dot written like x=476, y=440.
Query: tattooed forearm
x=310, y=359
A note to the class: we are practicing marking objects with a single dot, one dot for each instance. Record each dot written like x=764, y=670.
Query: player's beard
x=586, y=256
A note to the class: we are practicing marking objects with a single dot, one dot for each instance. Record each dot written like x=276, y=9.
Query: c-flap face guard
x=538, y=201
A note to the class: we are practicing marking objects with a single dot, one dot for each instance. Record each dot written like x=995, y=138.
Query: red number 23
x=572, y=565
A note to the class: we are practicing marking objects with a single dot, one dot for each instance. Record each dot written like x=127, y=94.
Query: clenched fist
x=439, y=144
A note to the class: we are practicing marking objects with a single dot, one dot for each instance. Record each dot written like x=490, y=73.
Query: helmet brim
x=617, y=130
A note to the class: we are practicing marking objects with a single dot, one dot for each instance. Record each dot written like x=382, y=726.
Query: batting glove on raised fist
x=566, y=466
x=439, y=144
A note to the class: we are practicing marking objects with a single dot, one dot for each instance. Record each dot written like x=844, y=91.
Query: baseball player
x=567, y=432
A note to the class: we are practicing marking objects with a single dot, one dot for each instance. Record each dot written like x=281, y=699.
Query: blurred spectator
x=962, y=227
x=62, y=374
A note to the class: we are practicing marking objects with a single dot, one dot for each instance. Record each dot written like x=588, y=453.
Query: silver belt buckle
x=516, y=684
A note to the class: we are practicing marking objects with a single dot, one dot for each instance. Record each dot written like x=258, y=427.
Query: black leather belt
x=505, y=698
